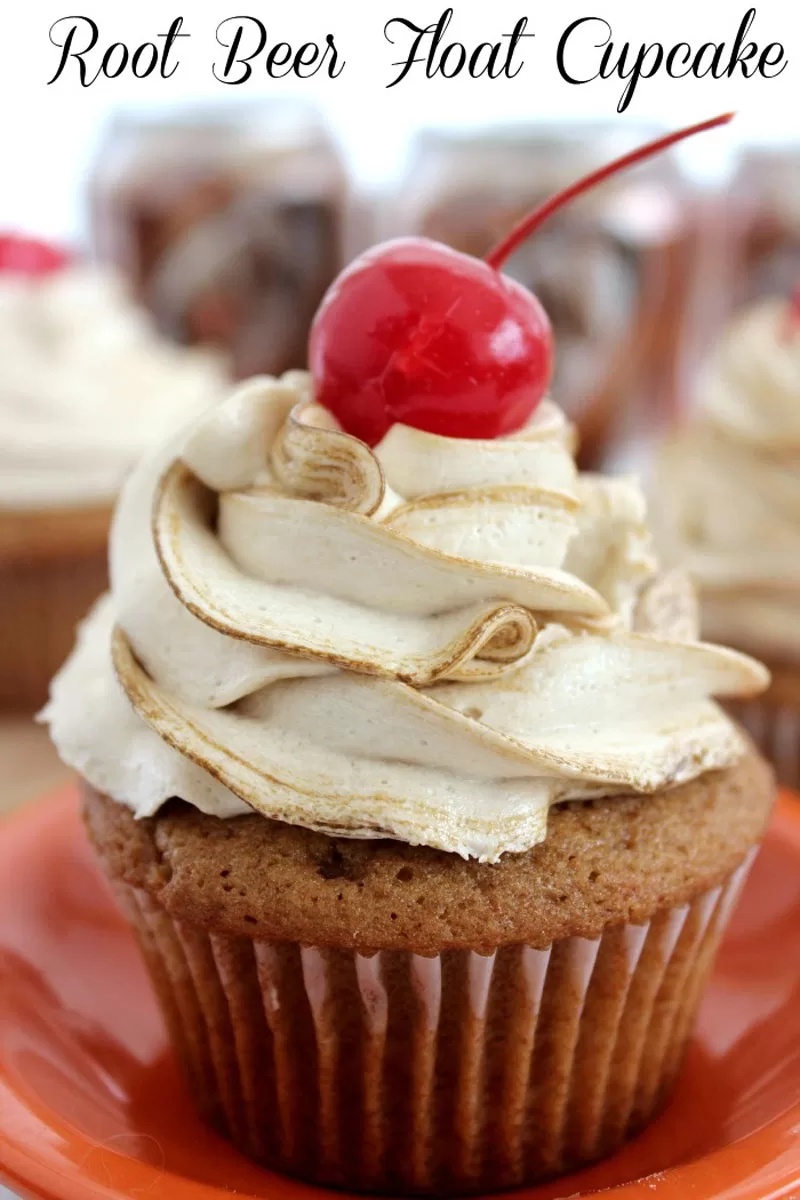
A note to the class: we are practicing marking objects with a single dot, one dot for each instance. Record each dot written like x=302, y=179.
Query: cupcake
x=230, y=224
x=728, y=486
x=85, y=387
x=404, y=768
x=401, y=755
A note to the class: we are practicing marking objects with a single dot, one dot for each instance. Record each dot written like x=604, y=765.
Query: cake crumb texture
x=605, y=862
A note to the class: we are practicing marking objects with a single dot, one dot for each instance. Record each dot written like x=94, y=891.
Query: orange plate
x=91, y=1104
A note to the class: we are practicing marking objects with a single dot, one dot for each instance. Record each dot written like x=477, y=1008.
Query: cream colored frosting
x=86, y=387
x=434, y=641
x=728, y=486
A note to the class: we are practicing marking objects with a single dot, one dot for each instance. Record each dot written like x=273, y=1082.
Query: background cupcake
x=229, y=224
x=438, y=827
x=85, y=386
x=728, y=505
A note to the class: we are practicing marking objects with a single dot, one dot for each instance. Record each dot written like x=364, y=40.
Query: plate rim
x=34, y=1170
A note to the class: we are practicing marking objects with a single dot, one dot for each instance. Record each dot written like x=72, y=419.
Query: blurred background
x=230, y=218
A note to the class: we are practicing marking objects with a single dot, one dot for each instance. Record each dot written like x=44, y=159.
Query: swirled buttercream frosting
x=728, y=487
x=86, y=387
x=432, y=641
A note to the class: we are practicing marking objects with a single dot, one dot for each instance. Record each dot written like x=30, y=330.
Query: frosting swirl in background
x=433, y=641
x=728, y=487
x=87, y=385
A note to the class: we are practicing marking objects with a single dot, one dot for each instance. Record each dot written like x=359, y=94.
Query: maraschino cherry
x=417, y=333
x=21, y=255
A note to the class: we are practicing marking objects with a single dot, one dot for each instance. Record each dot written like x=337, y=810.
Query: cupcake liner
x=775, y=729
x=41, y=602
x=458, y=1073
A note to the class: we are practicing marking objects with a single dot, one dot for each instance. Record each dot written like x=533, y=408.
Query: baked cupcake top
x=86, y=386
x=433, y=640
x=728, y=485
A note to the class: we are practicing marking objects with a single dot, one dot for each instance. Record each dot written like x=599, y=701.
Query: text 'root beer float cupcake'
x=86, y=387
x=402, y=756
x=728, y=508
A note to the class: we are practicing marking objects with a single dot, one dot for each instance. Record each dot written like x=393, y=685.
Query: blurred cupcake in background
x=611, y=269
x=229, y=223
x=765, y=209
x=746, y=249
x=86, y=385
x=728, y=507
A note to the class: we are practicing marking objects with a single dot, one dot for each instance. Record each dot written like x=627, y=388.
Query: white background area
x=48, y=133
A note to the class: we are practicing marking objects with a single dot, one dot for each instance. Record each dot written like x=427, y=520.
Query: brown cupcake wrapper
x=458, y=1073
x=775, y=729
x=41, y=603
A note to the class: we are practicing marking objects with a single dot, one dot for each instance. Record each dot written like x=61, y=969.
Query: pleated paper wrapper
x=459, y=1073
x=41, y=603
x=774, y=726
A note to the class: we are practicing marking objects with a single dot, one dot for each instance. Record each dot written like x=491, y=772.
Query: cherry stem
x=792, y=323
x=794, y=305
x=529, y=224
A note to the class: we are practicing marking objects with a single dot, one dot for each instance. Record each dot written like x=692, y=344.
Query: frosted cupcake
x=402, y=757
x=404, y=766
x=85, y=387
x=728, y=491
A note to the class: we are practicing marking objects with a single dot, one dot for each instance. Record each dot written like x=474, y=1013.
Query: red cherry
x=28, y=256
x=415, y=332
